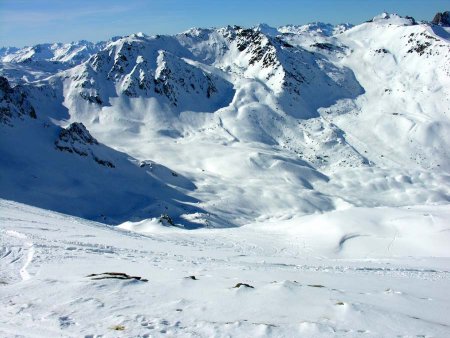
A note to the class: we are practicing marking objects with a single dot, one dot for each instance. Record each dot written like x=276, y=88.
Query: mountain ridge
x=310, y=120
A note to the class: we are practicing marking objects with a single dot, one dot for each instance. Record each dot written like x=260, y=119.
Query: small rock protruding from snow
x=245, y=285
x=191, y=277
x=115, y=275
x=166, y=220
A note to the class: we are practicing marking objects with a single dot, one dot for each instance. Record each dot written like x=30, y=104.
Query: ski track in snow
x=298, y=290
x=20, y=253
x=29, y=253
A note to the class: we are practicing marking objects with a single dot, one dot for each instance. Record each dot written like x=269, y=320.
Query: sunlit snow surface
x=312, y=161
x=362, y=272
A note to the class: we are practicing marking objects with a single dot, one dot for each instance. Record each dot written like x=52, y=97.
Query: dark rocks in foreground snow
x=191, y=277
x=115, y=275
x=238, y=285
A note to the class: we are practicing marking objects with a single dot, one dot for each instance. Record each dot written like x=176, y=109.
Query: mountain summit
x=442, y=19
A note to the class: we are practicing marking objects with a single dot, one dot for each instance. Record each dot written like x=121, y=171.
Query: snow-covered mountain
x=332, y=116
x=322, y=152
x=7, y=51
x=315, y=29
x=68, y=170
x=177, y=72
x=72, y=53
x=28, y=64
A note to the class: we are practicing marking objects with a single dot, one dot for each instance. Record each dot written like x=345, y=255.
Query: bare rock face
x=76, y=139
x=13, y=103
x=442, y=19
x=77, y=132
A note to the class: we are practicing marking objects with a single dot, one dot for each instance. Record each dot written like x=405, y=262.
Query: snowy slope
x=313, y=162
x=300, y=283
x=70, y=171
x=406, y=75
x=267, y=125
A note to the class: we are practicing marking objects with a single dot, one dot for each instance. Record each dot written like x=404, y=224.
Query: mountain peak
x=393, y=19
x=442, y=19
x=266, y=29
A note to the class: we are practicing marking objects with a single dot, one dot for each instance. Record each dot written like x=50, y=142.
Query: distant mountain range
x=252, y=122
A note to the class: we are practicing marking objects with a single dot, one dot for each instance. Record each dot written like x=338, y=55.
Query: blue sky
x=27, y=22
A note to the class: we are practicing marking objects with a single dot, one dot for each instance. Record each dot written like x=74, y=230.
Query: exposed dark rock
x=191, y=277
x=104, y=162
x=382, y=51
x=419, y=46
x=166, y=220
x=326, y=46
x=238, y=285
x=76, y=139
x=254, y=43
x=91, y=98
x=115, y=275
x=442, y=19
x=146, y=163
x=14, y=103
x=77, y=132
x=4, y=85
x=316, y=286
x=413, y=21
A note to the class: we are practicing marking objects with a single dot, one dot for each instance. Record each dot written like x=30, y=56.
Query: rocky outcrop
x=254, y=43
x=14, y=103
x=77, y=132
x=442, y=19
x=175, y=78
x=76, y=139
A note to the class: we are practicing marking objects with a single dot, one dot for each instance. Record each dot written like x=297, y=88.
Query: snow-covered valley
x=310, y=162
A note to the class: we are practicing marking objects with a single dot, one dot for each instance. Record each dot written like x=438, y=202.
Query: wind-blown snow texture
x=336, y=135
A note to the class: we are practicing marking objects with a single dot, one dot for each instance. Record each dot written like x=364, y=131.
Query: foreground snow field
x=290, y=181
x=392, y=280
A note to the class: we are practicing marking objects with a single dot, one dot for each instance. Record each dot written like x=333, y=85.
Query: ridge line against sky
x=29, y=22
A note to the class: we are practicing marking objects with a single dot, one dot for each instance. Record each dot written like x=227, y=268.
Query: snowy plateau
x=228, y=182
